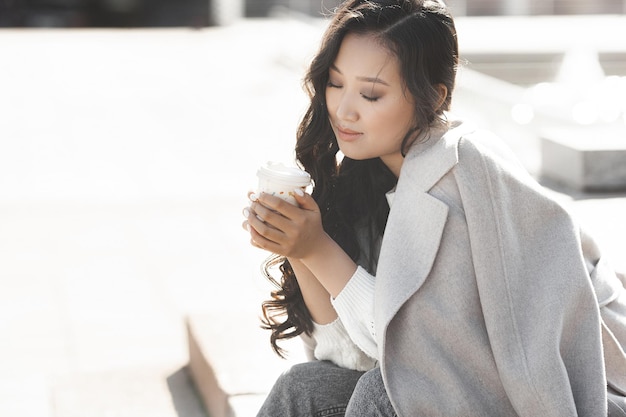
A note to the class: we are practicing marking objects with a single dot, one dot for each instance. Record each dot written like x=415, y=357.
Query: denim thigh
x=370, y=398
x=311, y=389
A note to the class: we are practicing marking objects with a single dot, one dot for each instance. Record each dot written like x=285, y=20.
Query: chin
x=352, y=155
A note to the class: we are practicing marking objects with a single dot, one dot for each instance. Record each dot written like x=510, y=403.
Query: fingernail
x=254, y=197
x=246, y=213
x=299, y=192
x=248, y=227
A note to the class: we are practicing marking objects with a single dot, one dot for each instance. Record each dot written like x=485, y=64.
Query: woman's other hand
x=282, y=228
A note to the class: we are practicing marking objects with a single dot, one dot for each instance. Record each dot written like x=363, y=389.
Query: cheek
x=331, y=100
x=397, y=124
x=405, y=115
x=395, y=118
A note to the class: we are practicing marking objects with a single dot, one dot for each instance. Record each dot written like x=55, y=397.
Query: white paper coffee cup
x=279, y=180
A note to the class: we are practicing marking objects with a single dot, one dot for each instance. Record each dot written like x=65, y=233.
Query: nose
x=346, y=109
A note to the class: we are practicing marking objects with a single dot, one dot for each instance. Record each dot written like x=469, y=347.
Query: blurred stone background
x=151, y=13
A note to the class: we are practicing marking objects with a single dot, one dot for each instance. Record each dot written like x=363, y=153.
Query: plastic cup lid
x=276, y=171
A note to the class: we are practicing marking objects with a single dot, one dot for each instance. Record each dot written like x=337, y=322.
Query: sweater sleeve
x=355, y=308
x=334, y=344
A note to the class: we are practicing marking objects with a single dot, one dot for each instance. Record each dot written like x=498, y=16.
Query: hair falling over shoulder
x=351, y=194
x=286, y=303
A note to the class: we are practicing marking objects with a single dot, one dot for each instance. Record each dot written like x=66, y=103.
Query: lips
x=346, y=134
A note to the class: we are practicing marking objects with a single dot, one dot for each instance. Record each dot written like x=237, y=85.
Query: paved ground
x=125, y=157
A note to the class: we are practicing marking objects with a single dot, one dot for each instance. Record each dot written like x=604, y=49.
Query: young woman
x=431, y=272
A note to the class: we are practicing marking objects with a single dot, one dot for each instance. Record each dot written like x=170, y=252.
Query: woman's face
x=369, y=108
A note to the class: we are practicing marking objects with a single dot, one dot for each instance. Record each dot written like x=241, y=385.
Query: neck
x=394, y=163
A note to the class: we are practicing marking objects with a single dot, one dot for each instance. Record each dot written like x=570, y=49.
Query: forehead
x=365, y=55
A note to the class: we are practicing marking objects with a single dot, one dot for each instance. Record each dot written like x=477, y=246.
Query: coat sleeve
x=611, y=296
x=538, y=302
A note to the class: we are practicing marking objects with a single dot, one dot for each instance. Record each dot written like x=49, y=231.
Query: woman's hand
x=297, y=233
x=282, y=228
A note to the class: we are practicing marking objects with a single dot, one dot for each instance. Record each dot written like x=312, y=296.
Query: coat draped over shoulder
x=489, y=299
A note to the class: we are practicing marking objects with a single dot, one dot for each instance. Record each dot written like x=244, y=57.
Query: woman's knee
x=299, y=375
x=311, y=388
x=370, y=397
x=371, y=381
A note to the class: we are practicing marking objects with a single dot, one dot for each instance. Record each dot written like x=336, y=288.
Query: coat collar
x=415, y=224
x=429, y=160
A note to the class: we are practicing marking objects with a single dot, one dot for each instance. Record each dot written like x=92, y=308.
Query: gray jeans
x=321, y=389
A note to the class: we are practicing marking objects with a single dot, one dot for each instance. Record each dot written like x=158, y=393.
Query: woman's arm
x=315, y=296
x=323, y=269
x=332, y=341
x=331, y=265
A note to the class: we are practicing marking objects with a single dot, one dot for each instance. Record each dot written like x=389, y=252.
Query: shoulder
x=483, y=155
x=490, y=148
x=488, y=172
x=490, y=178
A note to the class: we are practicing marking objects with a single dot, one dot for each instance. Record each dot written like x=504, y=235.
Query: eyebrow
x=374, y=80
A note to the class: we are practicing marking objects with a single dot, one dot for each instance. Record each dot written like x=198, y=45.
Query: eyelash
x=367, y=98
x=370, y=99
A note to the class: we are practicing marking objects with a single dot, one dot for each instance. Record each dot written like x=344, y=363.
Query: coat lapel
x=415, y=225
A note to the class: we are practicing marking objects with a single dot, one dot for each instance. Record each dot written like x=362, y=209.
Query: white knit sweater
x=350, y=340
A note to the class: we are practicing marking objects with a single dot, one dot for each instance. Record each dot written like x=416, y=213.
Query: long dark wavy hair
x=351, y=193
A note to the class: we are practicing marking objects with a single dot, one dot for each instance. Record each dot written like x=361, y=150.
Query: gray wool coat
x=489, y=299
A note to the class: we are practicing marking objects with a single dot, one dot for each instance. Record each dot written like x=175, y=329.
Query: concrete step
x=126, y=393
x=112, y=393
x=231, y=362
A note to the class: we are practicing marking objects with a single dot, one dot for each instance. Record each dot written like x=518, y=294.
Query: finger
x=248, y=211
x=253, y=243
x=304, y=200
x=267, y=215
x=264, y=227
x=261, y=242
x=255, y=238
x=277, y=204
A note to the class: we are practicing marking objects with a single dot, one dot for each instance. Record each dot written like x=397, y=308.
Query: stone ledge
x=585, y=158
x=231, y=362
